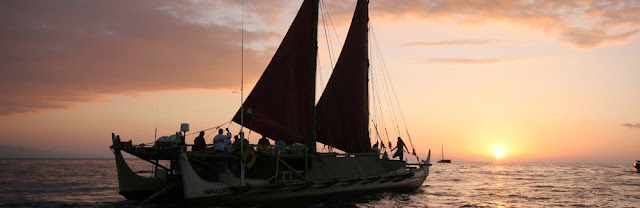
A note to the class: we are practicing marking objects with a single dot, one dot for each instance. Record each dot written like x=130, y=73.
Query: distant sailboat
x=442, y=158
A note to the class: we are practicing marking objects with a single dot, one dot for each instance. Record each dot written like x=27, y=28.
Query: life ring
x=249, y=159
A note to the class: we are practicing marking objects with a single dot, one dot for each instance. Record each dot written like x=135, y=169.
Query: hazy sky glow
x=539, y=80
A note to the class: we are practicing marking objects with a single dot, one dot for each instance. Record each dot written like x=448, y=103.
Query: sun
x=498, y=153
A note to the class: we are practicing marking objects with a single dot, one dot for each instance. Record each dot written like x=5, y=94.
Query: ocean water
x=93, y=183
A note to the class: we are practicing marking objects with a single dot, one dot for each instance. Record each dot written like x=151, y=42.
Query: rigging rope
x=389, y=89
x=378, y=137
x=326, y=22
x=326, y=35
x=384, y=82
x=377, y=98
x=216, y=127
x=378, y=68
x=335, y=32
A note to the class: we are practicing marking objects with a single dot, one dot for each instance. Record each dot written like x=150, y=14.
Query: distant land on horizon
x=17, y=152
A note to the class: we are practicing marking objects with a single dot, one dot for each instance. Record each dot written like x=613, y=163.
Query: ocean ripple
x=93, y=183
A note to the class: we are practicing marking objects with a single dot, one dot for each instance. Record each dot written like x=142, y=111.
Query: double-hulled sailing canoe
x=282, y=106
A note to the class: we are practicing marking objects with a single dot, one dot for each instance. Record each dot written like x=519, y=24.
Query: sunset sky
x=539, y=80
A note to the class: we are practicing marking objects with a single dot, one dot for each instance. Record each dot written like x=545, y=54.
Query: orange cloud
x=631, y=126
x=467, y=60
x=589, y=38
x=454, y=43
x=57, y=54
x=583, y=23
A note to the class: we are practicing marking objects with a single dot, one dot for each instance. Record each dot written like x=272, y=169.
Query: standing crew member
x=218, y=140
x=400, y=146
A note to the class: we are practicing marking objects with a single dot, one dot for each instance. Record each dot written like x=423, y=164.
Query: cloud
x=57, y=54
x=631, y=126
x=453, y=43
x=590, y=38
x=467, y=60
x=583, y=23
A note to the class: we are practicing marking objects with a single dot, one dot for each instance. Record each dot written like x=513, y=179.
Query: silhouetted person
x=400, y=152
x=199, y=143
x=264, y=141
x=235, y=146
x=227, y=142
x=280, y=146
x=385, y=156
x=245, y=144
x=264, y=146
x=375, y=149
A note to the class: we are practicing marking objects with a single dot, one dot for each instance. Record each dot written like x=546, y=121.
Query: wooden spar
x=350, y=154
x=155, y=163
x=159, y=194
x=292, y=169
x=277, y=163
x=306, y=162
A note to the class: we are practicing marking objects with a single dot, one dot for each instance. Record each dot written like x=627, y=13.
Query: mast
x=242, y=99
x=312, y=144
x=442, y=151
x=366, y=84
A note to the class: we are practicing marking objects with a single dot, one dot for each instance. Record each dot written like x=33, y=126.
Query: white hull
x=134, y=186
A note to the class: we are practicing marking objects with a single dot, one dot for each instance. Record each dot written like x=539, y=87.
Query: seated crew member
x=375, y=149
x=264, y=147
x=199, y=143
x=297, y=148
x=245, y=141
x=280, y=146
x=264, y=140
x=385, y=156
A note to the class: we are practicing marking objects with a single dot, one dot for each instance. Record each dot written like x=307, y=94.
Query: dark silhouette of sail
x=281, y=104
x=343, y=109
